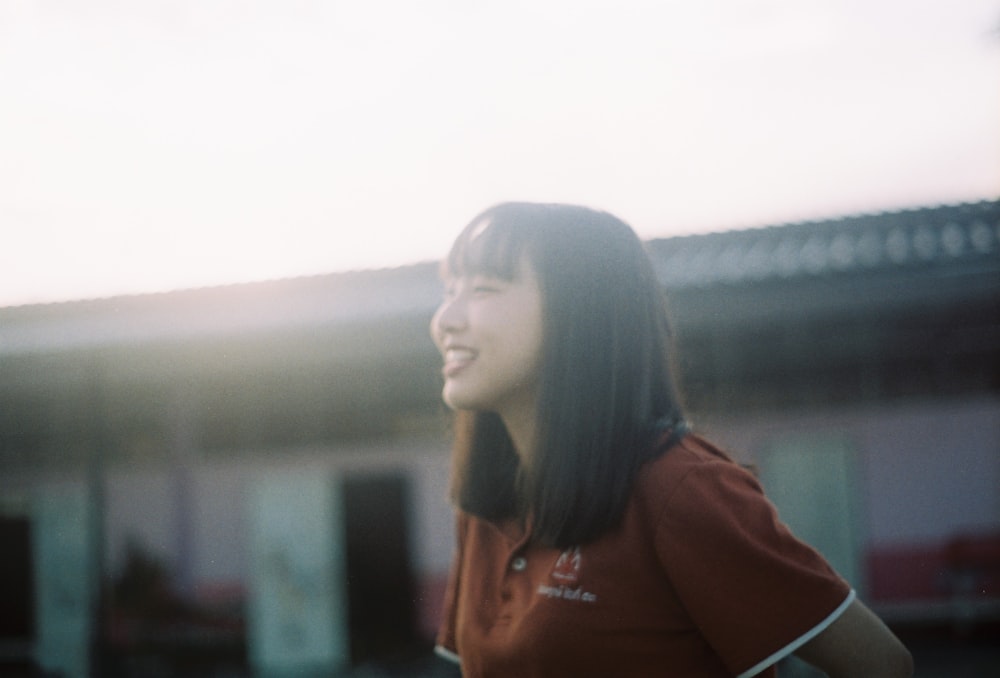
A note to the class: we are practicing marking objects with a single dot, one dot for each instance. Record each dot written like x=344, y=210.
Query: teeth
x=459, y=354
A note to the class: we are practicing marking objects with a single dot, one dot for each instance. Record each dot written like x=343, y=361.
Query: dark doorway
x=380, y=584
x=17, y=594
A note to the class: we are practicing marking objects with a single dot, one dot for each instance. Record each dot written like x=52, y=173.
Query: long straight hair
x=605, y=382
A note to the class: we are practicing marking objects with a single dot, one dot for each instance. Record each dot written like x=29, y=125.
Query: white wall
x=930, y=470
x=141, y=503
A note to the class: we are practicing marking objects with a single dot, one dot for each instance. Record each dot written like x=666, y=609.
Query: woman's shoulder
x=691, y=459
x=692, y=450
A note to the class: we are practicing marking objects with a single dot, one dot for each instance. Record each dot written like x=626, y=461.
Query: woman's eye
x=485, y=288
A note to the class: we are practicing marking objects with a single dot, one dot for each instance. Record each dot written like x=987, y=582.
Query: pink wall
x=931, y=473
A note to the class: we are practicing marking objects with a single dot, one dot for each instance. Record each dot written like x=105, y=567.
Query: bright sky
x=148, y=145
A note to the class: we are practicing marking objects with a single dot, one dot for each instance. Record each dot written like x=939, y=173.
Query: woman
x=596, y=535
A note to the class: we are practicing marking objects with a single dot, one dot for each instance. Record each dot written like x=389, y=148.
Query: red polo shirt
x=700, y=579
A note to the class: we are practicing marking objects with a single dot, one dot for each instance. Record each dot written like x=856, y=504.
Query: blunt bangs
x=492, y=245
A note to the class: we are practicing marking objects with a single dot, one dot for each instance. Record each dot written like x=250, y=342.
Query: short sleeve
x=446, y=645
x=750, y=586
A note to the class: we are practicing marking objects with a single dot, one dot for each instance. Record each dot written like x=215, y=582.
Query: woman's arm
x=858, y=644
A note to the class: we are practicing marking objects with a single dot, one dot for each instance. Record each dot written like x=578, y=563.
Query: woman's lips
x=456, y=358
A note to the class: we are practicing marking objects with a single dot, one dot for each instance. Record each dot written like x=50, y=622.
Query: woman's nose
x=449, y=317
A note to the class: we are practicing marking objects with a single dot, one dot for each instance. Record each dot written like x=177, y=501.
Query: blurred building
x=256, y=474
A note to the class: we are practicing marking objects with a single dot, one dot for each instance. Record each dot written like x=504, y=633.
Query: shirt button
x=519, y=564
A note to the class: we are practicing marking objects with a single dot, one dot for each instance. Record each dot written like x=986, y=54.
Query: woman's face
x=489, y=331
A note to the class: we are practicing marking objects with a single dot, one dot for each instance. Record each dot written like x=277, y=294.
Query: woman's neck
x=520, y=421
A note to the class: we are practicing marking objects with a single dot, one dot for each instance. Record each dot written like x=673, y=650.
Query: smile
x=455, y=359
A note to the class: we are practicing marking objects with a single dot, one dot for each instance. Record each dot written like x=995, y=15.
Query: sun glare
x=148, y=147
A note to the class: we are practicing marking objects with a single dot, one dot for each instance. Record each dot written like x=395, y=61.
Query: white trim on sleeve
x=801, y=640
x=445, y=653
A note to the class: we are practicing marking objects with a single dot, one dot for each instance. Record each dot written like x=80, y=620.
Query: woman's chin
x=459, y=399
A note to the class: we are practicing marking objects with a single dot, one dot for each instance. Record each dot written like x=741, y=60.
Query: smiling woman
x=596, y=534
x=489, y=330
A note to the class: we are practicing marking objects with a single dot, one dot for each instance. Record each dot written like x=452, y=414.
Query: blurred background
x=222, y=451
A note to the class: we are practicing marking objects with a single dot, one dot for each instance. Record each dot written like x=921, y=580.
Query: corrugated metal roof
x=963, y=235
x=328, y=301
x=947, y=235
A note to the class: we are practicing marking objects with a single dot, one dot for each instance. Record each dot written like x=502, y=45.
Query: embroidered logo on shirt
x=566, y=573
x=567, y=568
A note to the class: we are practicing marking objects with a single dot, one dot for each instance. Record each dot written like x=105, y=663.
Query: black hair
x=605, y=383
